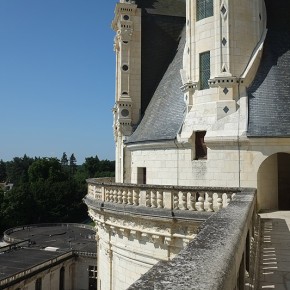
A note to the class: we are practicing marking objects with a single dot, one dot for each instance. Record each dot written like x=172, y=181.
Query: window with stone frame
x=204, y=9
x=38, y=284
x=61, y=278
x=93, y=277
x=200, y=146
x=141, y=175
x=204, y=70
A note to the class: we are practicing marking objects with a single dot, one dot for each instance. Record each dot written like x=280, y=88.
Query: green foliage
x=92, y=165
x=47, y=189
x=17, y=170
x=64, y=160
x=99, y=168
x=72, y=164
x=3, y=174
x=46, y=169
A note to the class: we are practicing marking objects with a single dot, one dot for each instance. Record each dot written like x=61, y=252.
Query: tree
x=18, y=207
x=44, y=192
x=46, y=168
x=17, y=170
x=72, y=163
x=91, y=165
x=3, y=174
x=64, y=160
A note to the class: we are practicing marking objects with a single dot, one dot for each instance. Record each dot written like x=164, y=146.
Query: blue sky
x=57, y=70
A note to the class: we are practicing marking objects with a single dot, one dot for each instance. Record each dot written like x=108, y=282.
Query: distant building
x=49, y=256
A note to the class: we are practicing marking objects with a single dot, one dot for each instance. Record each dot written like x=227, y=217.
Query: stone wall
x=231, y=162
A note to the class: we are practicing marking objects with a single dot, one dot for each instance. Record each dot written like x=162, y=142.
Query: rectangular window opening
x=93, y=277
x=204, y=9
x=38, y=284
x=200, y=146
x=204, y=70
x=141, y=175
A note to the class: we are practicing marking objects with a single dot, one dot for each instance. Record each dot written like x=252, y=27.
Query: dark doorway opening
x=284, y=181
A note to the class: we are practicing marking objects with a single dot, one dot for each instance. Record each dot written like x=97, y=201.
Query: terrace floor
x=275, y=251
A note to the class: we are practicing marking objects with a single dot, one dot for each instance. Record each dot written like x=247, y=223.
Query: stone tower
x=190, y=81
x=127, y=45
x=202, y=100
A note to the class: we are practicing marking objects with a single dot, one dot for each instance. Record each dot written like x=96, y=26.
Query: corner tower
x=222, y=40
x=127, y=45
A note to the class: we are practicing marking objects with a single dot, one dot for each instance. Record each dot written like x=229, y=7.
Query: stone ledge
x=210, y=260
x=147, y=211
x=94, y=181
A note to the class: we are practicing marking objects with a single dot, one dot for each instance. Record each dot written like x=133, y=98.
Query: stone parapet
x=139, y=225
x=220, y=256
x=210, y=199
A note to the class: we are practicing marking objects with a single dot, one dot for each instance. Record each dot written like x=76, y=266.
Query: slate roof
x=163, y=7
x=164, y=115
x=22, y=259
x=62, y=236
x=162, y=23
x=269, y=94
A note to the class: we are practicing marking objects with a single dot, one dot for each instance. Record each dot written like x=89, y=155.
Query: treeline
x=46, y=189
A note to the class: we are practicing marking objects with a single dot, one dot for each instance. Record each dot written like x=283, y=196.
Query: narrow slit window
x=200, y=146
x=204, y=70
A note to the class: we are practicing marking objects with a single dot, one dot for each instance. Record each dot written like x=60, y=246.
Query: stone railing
x=10, y=247
x=189, y=198
x=221, y=257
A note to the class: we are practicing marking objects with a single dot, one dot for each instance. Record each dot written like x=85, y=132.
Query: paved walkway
x=275, y=251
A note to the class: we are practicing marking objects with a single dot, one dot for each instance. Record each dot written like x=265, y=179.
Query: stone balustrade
x=162, y=197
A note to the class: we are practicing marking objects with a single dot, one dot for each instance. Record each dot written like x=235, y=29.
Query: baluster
x=191, y=199
x=124, y=196
x=219, y=201
x=107, y=195
x=153, y=199
x=159, y=199
x=130, y=197
x=119, y=196
x=209, y=203
x=228, y=198
x=175, y=200
x=147, y=202
x=200, y=202
x=182, y=200
x=111, y=195
x=135, y=197
x=115, y=195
